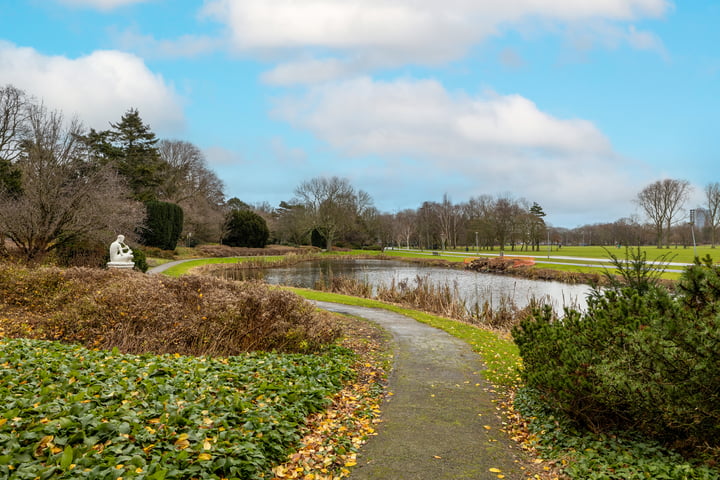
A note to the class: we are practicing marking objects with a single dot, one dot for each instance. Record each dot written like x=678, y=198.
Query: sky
x=576, y=105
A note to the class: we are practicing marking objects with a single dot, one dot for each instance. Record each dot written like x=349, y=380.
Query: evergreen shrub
x=164, y=225
x=245, y=228
x=640, y=358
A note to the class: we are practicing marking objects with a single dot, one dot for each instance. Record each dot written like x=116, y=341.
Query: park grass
x=674, y=253
x=183, y=268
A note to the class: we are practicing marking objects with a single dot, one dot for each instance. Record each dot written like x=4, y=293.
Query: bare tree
x=187, y=181
x=332, y=205
x=13, y=122
x=63, y=198
x=478, y=212
x=291, y=223
x=662, y=201
x=712, y=213
x=449, y=218
x=405, y=224
x=505, y=218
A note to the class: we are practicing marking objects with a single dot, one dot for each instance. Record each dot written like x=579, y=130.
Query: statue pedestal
x=122, y=265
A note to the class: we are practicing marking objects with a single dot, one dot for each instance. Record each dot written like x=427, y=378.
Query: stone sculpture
x=120, y=254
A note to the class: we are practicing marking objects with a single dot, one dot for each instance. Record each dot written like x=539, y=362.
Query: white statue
x=119, y=252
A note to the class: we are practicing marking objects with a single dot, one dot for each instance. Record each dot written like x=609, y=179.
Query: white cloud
x=186, y=46
x=308, y=71
x=489, y=143
x=98, y=88
x=378, y=32
x=420, y=117
x=100, y=4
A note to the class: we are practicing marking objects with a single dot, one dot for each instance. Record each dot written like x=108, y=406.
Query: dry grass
x=272, y=250
x=194, y=315
x=439, y=299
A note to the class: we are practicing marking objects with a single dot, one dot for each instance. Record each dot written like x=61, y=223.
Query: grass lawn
x=183, y=268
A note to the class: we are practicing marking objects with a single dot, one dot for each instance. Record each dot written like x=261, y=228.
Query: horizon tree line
x=63, y=184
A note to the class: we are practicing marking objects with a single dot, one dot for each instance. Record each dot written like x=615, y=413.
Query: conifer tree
x=130, y=146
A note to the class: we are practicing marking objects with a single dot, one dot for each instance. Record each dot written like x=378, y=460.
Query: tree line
x=65, y=187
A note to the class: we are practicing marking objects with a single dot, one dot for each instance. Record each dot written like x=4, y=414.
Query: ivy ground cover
x=69, y=412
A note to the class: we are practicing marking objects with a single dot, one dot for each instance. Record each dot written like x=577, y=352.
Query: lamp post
x=692, y=230
x=549, y=244
x=477, y=245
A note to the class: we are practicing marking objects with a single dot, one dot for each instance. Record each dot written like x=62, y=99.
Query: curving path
x=440, y=421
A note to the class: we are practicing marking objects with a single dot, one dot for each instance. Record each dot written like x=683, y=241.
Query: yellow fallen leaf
x=204, y=456
x=495, y=470
x=487, y=427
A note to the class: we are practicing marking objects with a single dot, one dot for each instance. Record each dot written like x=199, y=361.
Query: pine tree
x=130, y=146
x=136, y=155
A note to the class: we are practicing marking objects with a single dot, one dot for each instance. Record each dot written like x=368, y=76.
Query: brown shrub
x=226, y=251
x=423, y=294
x=138, y=313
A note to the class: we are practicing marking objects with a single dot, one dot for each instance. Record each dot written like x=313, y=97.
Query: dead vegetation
x=139, y=313
x=440, y=299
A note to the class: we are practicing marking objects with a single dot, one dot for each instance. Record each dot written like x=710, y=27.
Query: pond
x=473, y=287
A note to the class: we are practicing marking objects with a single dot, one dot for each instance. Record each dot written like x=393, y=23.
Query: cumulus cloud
x=420, y=117
x=377, y=32
x=98, y=88
x=488, y=142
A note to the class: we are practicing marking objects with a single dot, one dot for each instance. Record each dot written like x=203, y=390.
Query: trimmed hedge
x=164, y=225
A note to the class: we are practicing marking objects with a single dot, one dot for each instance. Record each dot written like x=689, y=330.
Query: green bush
x=245, y=228
x=164, y=225
x=638, y=359
x=140, y=260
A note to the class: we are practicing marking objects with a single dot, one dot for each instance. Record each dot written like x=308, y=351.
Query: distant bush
x=142, y=313
x=245, y=228
x=228, y=251
x=638, y=359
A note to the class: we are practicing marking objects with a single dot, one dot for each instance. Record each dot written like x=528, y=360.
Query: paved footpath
x=440, y=421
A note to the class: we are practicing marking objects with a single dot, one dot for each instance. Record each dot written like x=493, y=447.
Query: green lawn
x=183, y=268
x=675, y=254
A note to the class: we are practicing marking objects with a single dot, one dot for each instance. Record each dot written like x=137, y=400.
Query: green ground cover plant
x=70, y=412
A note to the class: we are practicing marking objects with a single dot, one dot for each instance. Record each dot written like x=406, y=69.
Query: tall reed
x=439, y=298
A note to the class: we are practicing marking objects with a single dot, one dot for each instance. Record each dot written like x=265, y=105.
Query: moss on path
x=439, y=418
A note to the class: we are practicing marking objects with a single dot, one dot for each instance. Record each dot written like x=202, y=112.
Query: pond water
x=472, y=287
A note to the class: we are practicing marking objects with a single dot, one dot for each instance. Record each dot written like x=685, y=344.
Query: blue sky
x=576, y=105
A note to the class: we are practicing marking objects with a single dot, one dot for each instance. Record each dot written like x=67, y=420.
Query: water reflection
x=473, y=287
